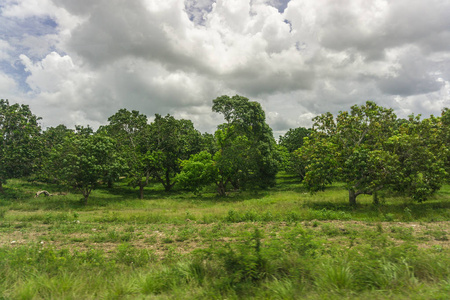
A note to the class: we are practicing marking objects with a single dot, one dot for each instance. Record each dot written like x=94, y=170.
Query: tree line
x=367, y=148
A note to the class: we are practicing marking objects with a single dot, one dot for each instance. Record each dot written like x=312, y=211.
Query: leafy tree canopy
x=171, y=141
x=246, y=150
x=131, y=133
x=351, y=148
x=19, y=141
x=83, y=159
x=421, y=156
x=293, y=139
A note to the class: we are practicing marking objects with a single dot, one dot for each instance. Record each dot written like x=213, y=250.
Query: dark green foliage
x=20, y=146
x=246, y=263
x=420, y=153
x=208, y=143
x=293, y=139
x=369, y=150
x=246, y=155
x=444, y=136
x=153, y=150
x=83, y=159
x=246, y=126
x=51, y=138
x=171, y=141
x=131, y=133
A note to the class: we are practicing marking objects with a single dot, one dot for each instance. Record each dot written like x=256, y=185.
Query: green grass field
x=282, y=243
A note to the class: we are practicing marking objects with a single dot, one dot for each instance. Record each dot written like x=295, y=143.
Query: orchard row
x=367, y=148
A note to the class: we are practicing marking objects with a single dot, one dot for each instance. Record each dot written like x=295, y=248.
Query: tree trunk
x=235, y=184
x=375, y=198
x=141, y=190
x=84, y=201
x=352, y=197
x=86, y=192
x=167, y=185
x=221, y=188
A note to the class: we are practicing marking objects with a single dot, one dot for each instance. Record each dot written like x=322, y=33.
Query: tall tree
x=171, y=141
x=52, y=137
x=19, y=141
x=420, y=150
x=246, y=153
x=351, y=149
x=288, y=144
x=83, y=159
x=246, y=127
x=131, y=133
x=445, y=138
x=293, y=138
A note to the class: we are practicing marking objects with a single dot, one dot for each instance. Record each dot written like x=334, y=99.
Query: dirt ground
x=169, y=236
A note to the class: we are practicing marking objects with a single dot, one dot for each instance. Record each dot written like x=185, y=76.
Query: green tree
x=420, y=152
x=54, y=136
x=289, y=143
x=246, y=143
x=232, y=161
x=351, y=149
x=198, y=171
x=131, y=133
x=50, y=138
x=244, y=154
x=171, y=141
x=293, y=138
x=83, y=159
x=222, y=168
x=445, y=138
x=20, y=144
x=208, y=143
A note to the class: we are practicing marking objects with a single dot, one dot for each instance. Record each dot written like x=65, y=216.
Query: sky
x=79, y=62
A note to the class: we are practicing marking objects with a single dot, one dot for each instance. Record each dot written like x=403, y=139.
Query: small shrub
x=402, y=233
x=301, y=242
x=246, y=263
x=385, y=274
x=438, y=235
x=379, y=228
x=3, y=211
x=129, y=255
x=170, y=277
x=330, y=230
x=167, y=240
x=335, y=276
x=234, y=217
x=408, y=214
x=389, y=217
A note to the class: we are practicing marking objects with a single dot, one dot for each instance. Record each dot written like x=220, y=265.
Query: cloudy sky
x=78, y=62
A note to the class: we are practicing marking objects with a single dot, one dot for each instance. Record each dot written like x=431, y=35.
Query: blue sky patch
x=14, y=31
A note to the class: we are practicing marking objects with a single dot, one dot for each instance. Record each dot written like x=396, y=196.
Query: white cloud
x=176, y=56
x=7, y=86
x=50, y=75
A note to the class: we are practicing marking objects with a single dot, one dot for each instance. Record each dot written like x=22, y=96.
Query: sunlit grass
x=179, y=245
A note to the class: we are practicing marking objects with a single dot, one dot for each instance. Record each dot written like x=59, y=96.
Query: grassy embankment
x=278, y=244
